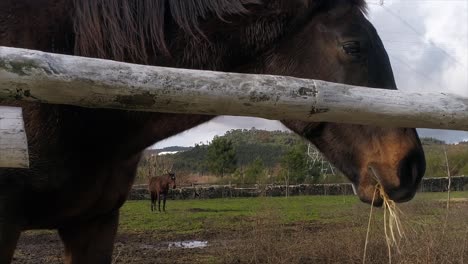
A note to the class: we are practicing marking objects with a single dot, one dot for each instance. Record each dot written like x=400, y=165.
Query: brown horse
x=83, y=161
x=159, y=186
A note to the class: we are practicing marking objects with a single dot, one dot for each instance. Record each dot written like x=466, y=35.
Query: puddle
x=188, y=244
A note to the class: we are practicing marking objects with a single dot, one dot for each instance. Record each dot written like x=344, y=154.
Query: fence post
x=13, y=141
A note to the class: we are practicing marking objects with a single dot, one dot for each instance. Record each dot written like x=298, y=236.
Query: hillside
x=436, y=162
x=267, y=149
x=268, y=146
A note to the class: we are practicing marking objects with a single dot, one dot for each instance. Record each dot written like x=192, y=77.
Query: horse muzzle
x=400, y=183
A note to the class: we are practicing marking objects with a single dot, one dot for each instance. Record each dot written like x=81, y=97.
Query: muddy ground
x=35, y=248
x=302, y=243
x=234, y=246
x=335, y=233
x=46, y=247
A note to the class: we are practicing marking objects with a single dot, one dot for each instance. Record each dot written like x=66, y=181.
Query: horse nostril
x=401, y=195
x=412, y=169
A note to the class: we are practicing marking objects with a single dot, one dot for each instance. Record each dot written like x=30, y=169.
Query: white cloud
x=446, y=135
x=427, y=42
x=216, y=127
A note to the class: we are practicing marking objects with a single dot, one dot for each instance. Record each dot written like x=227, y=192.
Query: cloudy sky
x=427, y=41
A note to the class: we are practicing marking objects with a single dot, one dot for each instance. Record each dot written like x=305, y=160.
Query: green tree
x=221, y=156
x=192, y=160
x=295, y=165
x=254, y=172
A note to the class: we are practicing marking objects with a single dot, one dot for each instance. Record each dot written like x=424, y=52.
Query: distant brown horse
x=159, y=186
x=83, y=161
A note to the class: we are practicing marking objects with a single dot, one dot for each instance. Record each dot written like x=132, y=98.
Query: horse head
x=339, y=44
x=172, y=178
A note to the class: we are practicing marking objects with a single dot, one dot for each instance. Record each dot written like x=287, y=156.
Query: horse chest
x=85, y=194
x=84, y=161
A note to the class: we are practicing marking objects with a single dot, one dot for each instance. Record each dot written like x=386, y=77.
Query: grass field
x=192, y=217
x=303, y=229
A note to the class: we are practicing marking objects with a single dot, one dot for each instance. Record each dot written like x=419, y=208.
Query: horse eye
x=352, y=47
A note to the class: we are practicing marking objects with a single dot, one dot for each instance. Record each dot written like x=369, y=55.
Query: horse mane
x=129, y=30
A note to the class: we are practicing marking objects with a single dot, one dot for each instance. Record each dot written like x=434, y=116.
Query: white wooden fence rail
x=60, y=79
x=13, y=143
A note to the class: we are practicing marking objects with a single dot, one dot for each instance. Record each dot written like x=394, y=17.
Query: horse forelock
x=129, y=30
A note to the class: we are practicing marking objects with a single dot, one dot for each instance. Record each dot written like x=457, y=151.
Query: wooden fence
x=87, y=82
x=140, y=192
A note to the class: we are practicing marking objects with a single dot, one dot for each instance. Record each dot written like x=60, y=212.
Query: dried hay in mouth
x=393, y=227
x=392, y=222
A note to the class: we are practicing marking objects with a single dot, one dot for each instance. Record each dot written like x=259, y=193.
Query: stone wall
x=459, y=183
x=222, y=191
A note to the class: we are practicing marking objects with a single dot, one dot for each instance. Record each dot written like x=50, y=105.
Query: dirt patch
x=211, y=246
x=37, y=247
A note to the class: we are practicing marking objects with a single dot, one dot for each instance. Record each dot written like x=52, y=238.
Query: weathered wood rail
x=60, y=79
x=13, y=143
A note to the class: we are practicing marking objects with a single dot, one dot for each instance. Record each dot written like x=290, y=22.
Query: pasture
x=303, y=229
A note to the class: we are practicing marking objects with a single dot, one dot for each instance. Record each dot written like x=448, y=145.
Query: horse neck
x=227, y=47
x=163, y=183
x=203, y=34
x=227, y=53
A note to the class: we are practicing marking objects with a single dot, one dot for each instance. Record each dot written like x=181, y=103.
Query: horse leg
x=164, y=202
x=159, y=202
x=152, y=201
x=10, y=219
x=9, y=234
x=91, y=241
